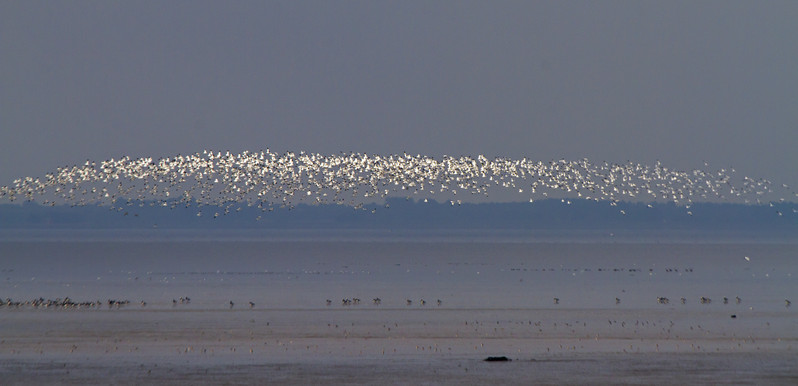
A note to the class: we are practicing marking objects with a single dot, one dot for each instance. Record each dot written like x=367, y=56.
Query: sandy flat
x=397, y=346
x=502, y=305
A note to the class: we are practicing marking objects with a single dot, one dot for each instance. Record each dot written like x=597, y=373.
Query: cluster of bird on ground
x=269, y=180
x=702, y=300
x=68, y=303
x=378, y=301
x=59, y=303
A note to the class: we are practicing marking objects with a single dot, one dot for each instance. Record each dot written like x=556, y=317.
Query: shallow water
x=739, y=369
x=497, y=298
x=461, y=273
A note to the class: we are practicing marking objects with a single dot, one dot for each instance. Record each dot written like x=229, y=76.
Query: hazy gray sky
x=678, y=81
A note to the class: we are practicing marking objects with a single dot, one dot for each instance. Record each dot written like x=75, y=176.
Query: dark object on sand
x=497, y=359
x=734, y=316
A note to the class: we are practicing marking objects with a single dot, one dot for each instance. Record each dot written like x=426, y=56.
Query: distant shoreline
x=621, y=236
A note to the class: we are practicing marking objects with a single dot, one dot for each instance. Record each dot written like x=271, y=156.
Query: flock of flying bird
x=269, y=180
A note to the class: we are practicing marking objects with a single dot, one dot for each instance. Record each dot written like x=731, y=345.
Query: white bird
x=270, y=180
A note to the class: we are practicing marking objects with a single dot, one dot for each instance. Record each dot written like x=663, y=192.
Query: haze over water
x=585, y=193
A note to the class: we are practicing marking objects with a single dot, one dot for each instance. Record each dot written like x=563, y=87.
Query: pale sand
x=376, y=345
x=499, y=305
